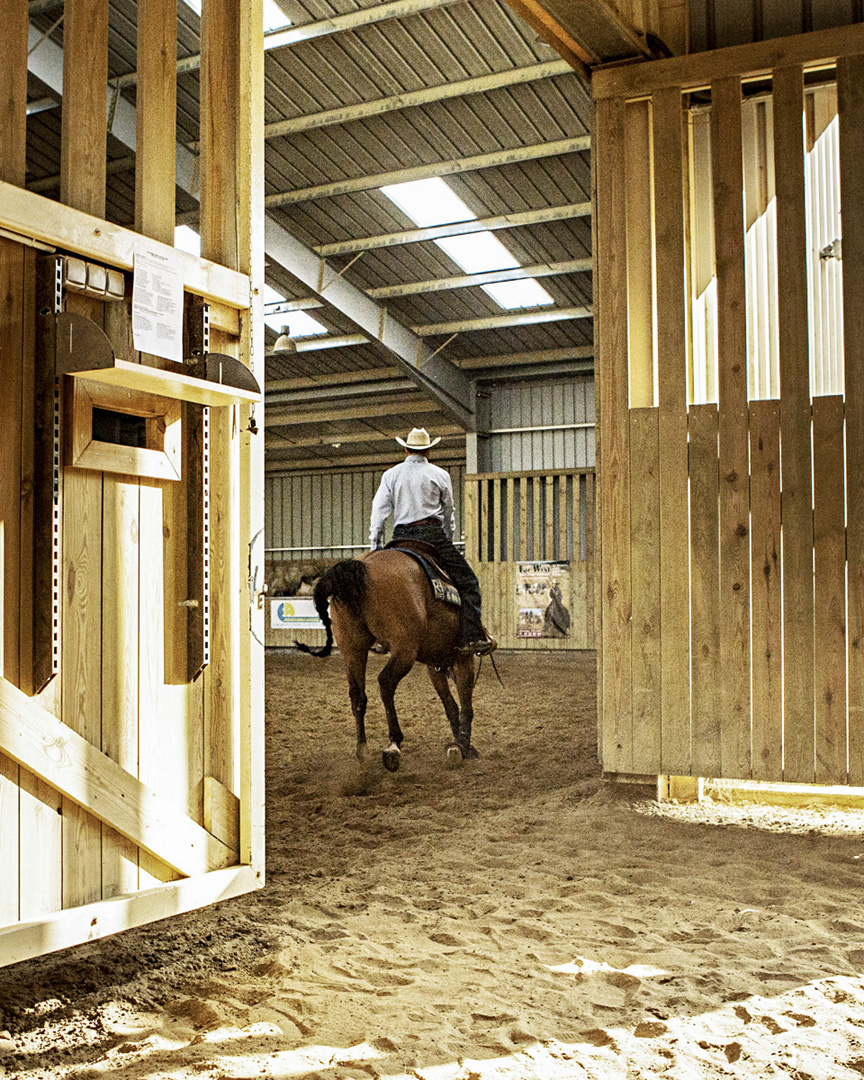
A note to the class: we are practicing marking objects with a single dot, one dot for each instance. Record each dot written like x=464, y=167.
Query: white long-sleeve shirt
x=412, y=490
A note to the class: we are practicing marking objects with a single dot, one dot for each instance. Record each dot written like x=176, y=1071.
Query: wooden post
x=13, y=93
x=795, y=438
x=156, y=119
x=85, y=105
x=734, y=671
x=850, y=92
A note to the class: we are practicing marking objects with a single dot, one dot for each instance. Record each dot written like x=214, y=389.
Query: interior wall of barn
x=735, y=22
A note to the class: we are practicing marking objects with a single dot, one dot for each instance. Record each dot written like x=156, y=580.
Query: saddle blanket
x=443, y=590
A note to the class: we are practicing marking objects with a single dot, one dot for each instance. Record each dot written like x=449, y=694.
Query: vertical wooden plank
x=483, y=489
x=549, y=551
x=766, y=591
x=81, y=582
x=562, y=517
x=536, y=519
x=795, y=438
x=13, y=93
x=500, y=508
x=672, y=372
x=640, y=252
x=615, y=665
x=522, y=483
x=576, y=522
x=850, y=100
x=592, y=576
x=85, y=101
x=471, y=525
x=829, y=536
x=11, y=426
x=156, y=119
x=728, y=184
x=28, y=437
x=645, y=570
x=120, y=526
x=705, y=590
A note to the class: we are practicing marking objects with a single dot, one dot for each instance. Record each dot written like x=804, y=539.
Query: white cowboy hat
x=418, y=439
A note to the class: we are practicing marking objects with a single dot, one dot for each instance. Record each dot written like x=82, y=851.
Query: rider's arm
x=448, y=512
x=382, y=507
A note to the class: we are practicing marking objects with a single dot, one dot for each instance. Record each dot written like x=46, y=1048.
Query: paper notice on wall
x=157, y=304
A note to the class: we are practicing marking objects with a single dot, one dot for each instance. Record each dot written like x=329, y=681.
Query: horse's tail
x=347, y=582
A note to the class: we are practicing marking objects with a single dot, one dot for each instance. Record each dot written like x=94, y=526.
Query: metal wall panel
x=548, y=425
x=326, y=515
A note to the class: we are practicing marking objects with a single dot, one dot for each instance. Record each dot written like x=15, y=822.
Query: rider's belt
x=426, y=521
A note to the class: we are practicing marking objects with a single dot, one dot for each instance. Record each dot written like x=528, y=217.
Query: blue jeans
x=453, y=561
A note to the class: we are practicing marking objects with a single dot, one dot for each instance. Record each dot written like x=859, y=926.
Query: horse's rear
x=386, y=597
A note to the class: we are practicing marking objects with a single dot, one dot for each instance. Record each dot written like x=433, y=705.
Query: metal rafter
x=499, y=322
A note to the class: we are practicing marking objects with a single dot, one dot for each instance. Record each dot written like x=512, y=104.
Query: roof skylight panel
x=432, y=202
x=274, y=17
x=299, y=323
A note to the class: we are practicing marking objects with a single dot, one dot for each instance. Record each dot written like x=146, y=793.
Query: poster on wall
x=543, y=599
x=294, y=613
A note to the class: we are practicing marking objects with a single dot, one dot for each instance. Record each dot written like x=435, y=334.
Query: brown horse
x=385, y=597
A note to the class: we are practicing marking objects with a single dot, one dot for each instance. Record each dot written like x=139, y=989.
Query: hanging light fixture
x=284, y=344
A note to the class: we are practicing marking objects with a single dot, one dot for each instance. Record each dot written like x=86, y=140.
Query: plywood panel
x=829, y=537
x=728, y=184
x=794, y=426
x=705, y=589
x=645, y=569
x=672, y=374
x=611, y=315
x=850, y=93
x=766, y=591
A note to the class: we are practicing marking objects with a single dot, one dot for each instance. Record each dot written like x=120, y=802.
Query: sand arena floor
x=515, y=918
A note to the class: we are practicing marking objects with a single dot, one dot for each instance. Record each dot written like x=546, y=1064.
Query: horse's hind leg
x=464, y=674
x=356, y=665
x=393, y=672
x=442, y=688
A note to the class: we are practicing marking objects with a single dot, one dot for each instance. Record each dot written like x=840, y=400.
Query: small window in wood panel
x=114, y=429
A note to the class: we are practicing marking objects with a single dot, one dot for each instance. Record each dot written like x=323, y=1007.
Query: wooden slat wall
x=120, y=683
x=536, y=517
x=725, y=529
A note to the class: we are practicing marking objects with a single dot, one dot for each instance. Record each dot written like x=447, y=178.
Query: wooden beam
x=91, y=922
x=496, y=322
x=51, y=750
x=35, y=217
x=287, y=417
x=574, y=145
x=816, y=50
x=456, y=228
x=13, y=93
x=156, y=120
x=348, y=438
x=83, y=138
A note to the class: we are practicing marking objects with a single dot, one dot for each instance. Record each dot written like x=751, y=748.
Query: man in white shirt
x=419, y=495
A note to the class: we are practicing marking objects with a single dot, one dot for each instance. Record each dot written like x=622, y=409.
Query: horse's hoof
x=454, y=756
x=391, y=758
x=470, y=754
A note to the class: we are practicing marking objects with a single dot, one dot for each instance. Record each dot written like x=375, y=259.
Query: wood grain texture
x=850, y=94
x=672, y=373
x=156, y=119
x=705, y=589
x=728, y=182
x=83, y=142
x=829, y=542
x=13, y=93
x=645, y=568
x=795, y=425
x=615, y=665
x=766, y=591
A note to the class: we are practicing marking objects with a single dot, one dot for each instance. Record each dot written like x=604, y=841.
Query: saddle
x=424, y=555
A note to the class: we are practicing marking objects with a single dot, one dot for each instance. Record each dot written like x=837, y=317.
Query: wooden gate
x=732, y=525
x=527, y=524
